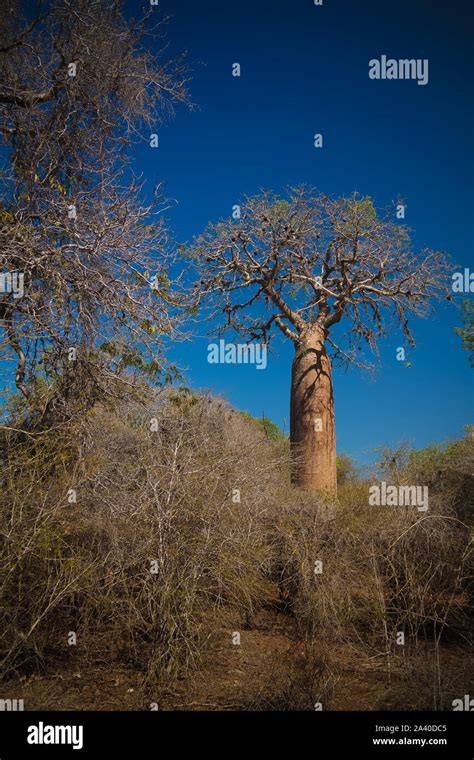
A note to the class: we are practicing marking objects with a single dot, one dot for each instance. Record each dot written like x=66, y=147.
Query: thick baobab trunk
x=312, y=428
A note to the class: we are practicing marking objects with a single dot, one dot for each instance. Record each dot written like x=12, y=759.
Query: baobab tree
x=304, y=264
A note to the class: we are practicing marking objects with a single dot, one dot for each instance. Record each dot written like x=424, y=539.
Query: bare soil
x=263, y=672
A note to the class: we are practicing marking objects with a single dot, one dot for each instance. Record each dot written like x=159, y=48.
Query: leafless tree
x=313, y=262
x=81, y=83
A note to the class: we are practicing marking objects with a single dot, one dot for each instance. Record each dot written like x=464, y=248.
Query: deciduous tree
x=304, y=264
x=81, y=82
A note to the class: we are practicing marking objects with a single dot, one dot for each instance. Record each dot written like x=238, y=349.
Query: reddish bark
x=312, y=426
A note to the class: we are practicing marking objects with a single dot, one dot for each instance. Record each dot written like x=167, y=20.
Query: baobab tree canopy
x=312, y=261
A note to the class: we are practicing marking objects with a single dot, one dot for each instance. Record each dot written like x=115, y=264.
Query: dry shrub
x=307, y=683
x=144, y=529
x=385, y=569
x=155, y=545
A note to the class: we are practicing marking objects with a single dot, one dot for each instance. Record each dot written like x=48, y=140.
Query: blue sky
x=304, y=70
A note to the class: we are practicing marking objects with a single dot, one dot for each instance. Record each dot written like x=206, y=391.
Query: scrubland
x=154, y=556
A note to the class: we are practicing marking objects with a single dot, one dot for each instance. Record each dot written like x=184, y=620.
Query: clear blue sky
x=304, y=69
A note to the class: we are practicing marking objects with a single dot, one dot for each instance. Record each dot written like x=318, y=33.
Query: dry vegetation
x=138, y=537
x=125, y=528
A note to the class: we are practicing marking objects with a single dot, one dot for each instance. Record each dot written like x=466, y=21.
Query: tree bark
x=312, y=426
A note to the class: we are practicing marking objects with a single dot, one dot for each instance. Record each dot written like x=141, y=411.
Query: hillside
x=156, y=557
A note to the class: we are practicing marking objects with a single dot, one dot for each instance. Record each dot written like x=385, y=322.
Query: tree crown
x=312, y=261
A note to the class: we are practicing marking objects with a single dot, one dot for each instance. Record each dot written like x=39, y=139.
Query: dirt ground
x=265, y=672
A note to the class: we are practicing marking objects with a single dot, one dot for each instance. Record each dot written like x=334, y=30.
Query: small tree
x=313, y=261
x=80, y=83
x=466, y=332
